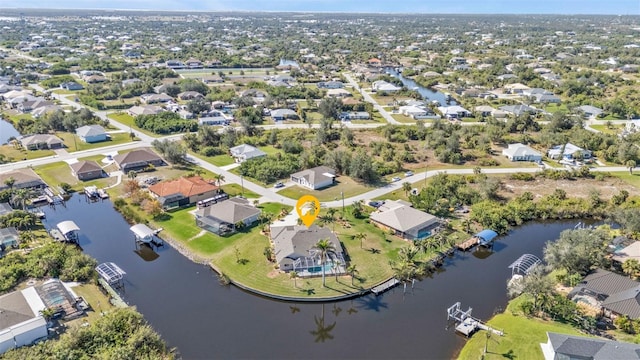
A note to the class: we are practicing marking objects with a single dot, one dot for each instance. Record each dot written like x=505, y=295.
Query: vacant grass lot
x=613, y=130
x=521, y=340
x=632, y=179
x=128, y=120
x=59, y=172
x=12, y=154
x=344, y=184
x=403, y=118
x=73, y=142
x=236, y=190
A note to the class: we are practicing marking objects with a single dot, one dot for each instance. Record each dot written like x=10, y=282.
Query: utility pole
x=242, y=184
x=342, y=194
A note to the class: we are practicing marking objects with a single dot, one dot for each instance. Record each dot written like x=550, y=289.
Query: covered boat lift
x=69, y=230
x=485, y=237
x=111, y=273
x=144, y=234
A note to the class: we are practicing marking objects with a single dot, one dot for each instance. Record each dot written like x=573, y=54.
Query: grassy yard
x=633, y=179
x=236, y=190
x=552, y=108
x=73, y=142
x=127, y=119
x=521, y=340
x=371, y=260
x=218, y=160
x=614, y=130
x=12, y=154
x=98, y=301
x=59, y=172
x=403, y=118
x=344, y=184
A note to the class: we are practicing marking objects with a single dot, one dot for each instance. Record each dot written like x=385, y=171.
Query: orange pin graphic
x=308, y=208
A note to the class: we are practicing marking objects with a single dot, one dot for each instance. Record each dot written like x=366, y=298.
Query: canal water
x=428, y=94
x=7, y=131
x=186, y=304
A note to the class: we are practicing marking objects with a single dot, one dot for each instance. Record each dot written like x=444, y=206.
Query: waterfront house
x=613, y=294
x=521, y=152
x=316, y=178
x=137, y=160
x=245, y=152
x=44, y=110
x=91, y=133
x=383, y=86
x=569, y=152
x=24, y=178
x=21, y=323
x=86, y=170
x=293, y=249
x=41, y=141
x=33, y=104
x=405, y=221
x=629, y=252
x=9, y=237
x=183, y=191
x=562, y=346
x=222, y=218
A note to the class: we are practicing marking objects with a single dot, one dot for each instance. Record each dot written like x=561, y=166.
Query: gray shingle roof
x=398, y=215
x=85, y=166
x=230, y=211
x=90, y=130
x=579, y=347
x=316, y=175
x=296, y=241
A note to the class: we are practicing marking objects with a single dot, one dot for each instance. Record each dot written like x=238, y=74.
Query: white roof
x=68, y=226
x=110, y=272
x=519, y=150
x=142, y=231
x=33, y=299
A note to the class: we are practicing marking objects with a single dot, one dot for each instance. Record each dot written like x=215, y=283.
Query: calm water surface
x=184, y=302
x=427, y=93
x=6, y=131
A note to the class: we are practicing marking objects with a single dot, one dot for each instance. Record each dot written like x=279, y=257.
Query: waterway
x=204, y=320
x=427, y=93
x=7, y=131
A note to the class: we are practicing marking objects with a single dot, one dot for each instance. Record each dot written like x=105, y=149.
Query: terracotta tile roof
x=187, y=186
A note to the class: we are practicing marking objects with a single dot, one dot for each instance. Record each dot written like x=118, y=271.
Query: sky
x=615, y=7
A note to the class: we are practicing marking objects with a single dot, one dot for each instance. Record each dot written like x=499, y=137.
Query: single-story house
x=137, y=160
x=145, y=110
x=547, y=99
x=86, y=170
x=41, y=141
x=521, y=152
x=24, y=178
x=212, y=79
x=484, y=110
x=221, y=218
x=30, y=105
x=630, y=252
x=407, y=222
x=214, y=118
x=413, y=111
x=518, y=110
x=330, y=85
x=454, y=112
x=338, y=93
x=590, y=111
x=562, y=346
x=245, y=152
x=155, y=98
x=71, y=86
x=283, y=114
x=568, y=152
x=9, y=237
x=21, y=323
x=516, y=88
x=632, y=126
x=94, y=79
x=315, y=178
x=384, y=86
x=190, y=95
x=43, y=110
x=183, y=191
x=614, y=294
x=355, y=115
x=294, y=249
x=193, y=63
x=5, y=209
x=129, y=82
x=91, y=133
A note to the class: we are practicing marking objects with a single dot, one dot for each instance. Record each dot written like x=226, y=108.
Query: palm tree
x=631, y=164
x=21, y=197
x=332, y=212
x=47, y=313
x=9, y=182
x=631, y=267
x=329, y=219
x=325, y=248
x=358, y=208
x=352, y=270
x=406, y=186
x=294, y=276
x=219, y=179
x=360, y=236
x=405, y=271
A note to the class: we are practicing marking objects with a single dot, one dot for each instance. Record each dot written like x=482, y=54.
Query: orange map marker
x=308, y=208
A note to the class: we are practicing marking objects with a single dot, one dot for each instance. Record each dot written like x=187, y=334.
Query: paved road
x=368, y=98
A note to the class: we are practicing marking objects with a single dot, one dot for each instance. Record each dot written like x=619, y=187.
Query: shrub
x=522, y=176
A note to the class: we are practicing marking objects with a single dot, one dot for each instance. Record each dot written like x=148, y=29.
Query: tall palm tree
x=219, y=179
x=21, y=197
x=294, y=276
x=329, y=219
x=325, y=248
x=352, y=270
x=360, y=236
x=357, y=209
x=406, y=186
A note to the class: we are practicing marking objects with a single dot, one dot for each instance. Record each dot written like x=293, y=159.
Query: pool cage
x=312, y=265
x=55, y=296
x=524, y=264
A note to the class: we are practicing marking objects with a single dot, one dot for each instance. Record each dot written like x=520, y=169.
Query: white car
x=408, y=173
x=395, y=179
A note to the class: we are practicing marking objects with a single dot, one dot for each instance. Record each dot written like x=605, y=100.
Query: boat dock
x=103, y=194
x=467, y=324
x=483, y=238
x=471, y=242
x=385, y=286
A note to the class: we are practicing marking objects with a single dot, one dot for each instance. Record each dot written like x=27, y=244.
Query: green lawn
x=12, y=154
x=59, y=172
x=552, y=108
x=128, y=120
x=633, y=179
x=614, y=130
x=403, y=118
x=344, y=184
x=521, y=340
x=236, y=190
x=98, y=301
x=218, y=160
x=73, y=142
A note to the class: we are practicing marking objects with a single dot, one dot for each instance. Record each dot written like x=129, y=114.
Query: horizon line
x=319, y=12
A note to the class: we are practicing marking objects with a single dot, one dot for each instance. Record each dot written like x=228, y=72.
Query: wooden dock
x=467, y=324
x=385, y=286
x=471, y=242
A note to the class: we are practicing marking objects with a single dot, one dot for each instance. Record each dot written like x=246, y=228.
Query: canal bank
x=188, y=307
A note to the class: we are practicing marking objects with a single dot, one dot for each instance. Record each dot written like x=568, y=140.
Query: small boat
x=91, y=191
